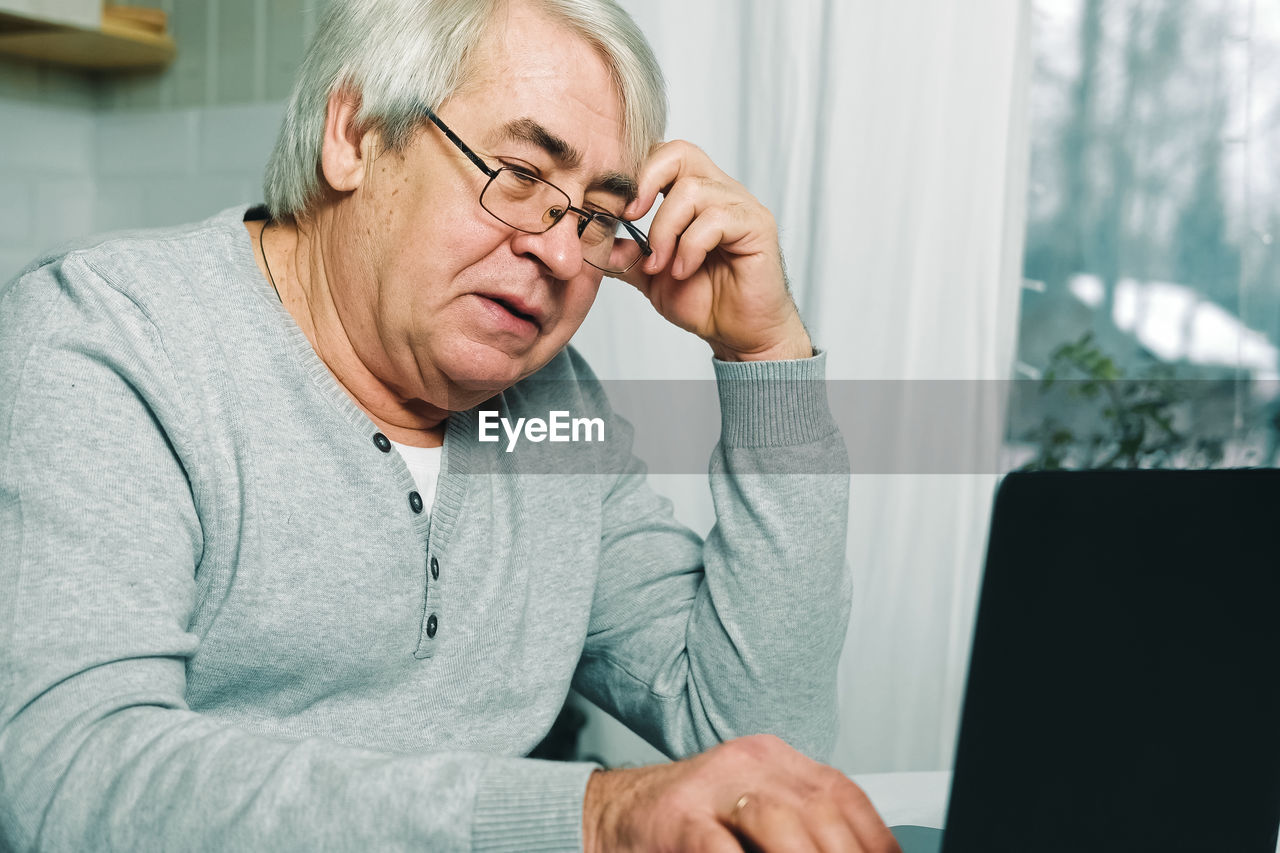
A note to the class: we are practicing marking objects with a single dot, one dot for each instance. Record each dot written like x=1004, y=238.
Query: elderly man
x=264, y=585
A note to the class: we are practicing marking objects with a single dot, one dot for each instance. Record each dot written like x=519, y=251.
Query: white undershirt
x=424, y=465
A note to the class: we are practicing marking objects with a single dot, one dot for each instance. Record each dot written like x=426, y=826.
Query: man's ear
x=347, y=147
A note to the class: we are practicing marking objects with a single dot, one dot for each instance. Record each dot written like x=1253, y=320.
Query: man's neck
x=293, y=259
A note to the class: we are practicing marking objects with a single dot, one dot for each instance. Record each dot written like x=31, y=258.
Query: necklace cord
x=262, y=246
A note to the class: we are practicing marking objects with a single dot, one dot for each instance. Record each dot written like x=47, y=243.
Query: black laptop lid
x=1124, y=684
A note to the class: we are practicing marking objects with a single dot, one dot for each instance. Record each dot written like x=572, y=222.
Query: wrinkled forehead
x=542, y=75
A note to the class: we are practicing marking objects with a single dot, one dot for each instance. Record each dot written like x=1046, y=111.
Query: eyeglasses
x=527, y=203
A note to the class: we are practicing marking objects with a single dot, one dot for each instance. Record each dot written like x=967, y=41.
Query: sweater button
x=435, y=569
x=415, y=502
x=432, y=624
x=383, y=443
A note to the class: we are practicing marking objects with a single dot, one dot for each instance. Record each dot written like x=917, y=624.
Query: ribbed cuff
x=528, y=806
x=773, y=403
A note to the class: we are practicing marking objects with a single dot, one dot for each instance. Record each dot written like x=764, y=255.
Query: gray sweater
x=224, y=625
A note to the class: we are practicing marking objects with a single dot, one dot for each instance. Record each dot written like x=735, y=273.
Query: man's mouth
x=516, y=308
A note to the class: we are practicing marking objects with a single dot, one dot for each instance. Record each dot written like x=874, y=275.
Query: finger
x=675, y=213
x=668, y=162
x=690, y=198
x=657, y=174
x=705, y=233
x=716, y=838
x=830, y=829
x=770, y=825
x=866, y=822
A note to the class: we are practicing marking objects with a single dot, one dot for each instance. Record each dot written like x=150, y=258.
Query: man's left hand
x=716, y=268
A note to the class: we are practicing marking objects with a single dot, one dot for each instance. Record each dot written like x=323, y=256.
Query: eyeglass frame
x=584, y=216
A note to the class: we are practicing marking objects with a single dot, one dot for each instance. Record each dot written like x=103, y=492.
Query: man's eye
x=520, y=174
x=601, y=229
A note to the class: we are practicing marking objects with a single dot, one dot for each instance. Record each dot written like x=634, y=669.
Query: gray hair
x=401, y=55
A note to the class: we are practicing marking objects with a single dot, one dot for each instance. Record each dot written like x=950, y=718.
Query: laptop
x=1124, y=683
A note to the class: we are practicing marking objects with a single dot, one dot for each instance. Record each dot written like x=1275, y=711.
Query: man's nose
x=558, y=248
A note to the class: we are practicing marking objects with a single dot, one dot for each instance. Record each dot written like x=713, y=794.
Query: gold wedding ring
x=742, y=803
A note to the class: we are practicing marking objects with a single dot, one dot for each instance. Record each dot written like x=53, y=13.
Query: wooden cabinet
x=67, y=32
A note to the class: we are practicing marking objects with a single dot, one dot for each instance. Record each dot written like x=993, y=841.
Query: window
x=1151, y=273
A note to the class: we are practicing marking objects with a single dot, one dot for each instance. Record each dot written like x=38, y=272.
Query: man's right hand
x=753, y=793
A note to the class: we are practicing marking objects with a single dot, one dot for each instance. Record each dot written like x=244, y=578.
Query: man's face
x=456, y=304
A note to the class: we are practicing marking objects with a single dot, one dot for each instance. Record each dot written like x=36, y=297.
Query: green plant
x=1116, y=421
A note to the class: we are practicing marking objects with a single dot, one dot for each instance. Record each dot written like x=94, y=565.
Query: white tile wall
x=46, y=178
x=202, y=160
x=63, y=208
x=229, y=52
x=69, y=172
x=118, y=203
x=144, y=143
x=82, y=154
x=239, y=138
x=170, y=201
x=36, y=138
x=80, y=13
x=15, y=211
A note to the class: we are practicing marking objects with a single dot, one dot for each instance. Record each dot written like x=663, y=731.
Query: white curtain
x=889, y=140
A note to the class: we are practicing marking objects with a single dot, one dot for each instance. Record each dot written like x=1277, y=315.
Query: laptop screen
x=1124, y=683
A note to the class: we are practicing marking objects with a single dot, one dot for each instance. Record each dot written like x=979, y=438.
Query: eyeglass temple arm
x=638, y=236
x=462, y=146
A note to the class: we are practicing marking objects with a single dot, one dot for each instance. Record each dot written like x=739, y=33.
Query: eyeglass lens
x=531, y=204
